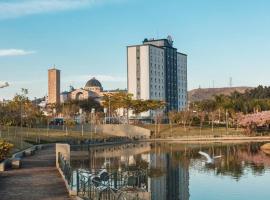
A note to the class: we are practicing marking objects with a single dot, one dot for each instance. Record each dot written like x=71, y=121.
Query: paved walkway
x=37, y=180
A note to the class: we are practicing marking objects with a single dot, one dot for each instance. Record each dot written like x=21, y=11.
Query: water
x=176, y=171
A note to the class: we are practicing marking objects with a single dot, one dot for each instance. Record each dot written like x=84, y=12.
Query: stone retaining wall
x=4, y=165
x=124, y=130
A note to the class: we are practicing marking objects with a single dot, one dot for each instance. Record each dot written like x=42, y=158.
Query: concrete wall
x=132, y=79
x=124, y=130
x=64, y=149
x=144, y=72
x=7, y=163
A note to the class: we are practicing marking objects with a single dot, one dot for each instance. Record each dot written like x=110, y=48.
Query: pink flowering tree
x=254, y=121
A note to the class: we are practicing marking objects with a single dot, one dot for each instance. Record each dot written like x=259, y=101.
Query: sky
x=86, y=38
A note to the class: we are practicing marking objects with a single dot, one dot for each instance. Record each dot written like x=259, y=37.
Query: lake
x=178, y=171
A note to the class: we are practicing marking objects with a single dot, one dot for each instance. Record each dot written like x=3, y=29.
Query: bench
x=4, y=165
x=29, y=152
x=16, y=163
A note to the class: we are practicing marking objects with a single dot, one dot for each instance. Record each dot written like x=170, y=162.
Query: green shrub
x=5, y=148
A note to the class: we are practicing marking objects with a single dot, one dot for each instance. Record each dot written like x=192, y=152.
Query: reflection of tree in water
x=156, y=172
x=235, y=157
x=238, y=157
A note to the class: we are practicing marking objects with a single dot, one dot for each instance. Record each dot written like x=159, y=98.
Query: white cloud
x=17, y=8
x=100, y=77
x=108, y=82
x=14, y=52
x=109, y=78
x=3, y=84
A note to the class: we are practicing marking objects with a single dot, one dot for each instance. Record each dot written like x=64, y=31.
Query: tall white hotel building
x=157, y=71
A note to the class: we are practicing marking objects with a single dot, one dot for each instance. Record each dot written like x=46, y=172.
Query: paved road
x=37, y=180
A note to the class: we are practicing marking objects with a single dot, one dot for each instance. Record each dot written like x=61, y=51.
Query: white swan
x=209, y=160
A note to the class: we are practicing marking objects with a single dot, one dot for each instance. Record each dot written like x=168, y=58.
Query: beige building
x=53, y=86
x=92, y=89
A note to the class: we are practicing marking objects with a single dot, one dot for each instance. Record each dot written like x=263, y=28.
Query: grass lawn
x=165, y=131
x=23, y=138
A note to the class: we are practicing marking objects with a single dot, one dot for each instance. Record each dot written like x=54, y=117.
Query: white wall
x=144, y=80
x=132, y=88
x=152, y=73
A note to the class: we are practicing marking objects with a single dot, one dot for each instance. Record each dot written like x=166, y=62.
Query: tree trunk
x=171, y=127
x=212, y=123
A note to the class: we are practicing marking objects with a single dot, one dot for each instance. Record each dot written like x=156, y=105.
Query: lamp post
x=3, y=85
x=109, y=109
x=24, y=93
x=92, y=116
x=81, y=112
x=105, y=112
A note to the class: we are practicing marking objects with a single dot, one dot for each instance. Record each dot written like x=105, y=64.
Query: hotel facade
x=156, y=70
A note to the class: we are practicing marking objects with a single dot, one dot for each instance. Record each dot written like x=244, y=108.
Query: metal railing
x=99, y=184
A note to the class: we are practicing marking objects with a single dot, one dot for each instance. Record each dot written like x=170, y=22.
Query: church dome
x=93, y=83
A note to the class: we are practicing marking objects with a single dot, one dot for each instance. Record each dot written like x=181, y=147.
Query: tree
x=116, y=101
x=122, y=100
x=254, y=121
x=69, y=110
x=20, y=111
x=5, y=148
x=172, y=115
x=202, y=119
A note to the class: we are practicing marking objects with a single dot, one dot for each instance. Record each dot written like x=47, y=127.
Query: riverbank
x=25, y=137
x=225, y=139
x=175, y=130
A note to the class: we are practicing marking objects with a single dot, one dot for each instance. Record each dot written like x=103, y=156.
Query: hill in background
x=209, y=93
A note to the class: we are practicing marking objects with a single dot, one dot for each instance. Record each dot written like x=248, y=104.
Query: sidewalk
x=37, y=180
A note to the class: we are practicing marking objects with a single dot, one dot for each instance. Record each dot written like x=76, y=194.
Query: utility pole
x=109, y=109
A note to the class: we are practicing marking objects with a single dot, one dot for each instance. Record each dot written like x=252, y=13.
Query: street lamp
x=91, y=119
x=81, y=112
x=109, y=109
x=3, y=85
x=105, y=110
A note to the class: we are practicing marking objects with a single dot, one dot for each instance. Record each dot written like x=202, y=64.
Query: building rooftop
x=93, y=83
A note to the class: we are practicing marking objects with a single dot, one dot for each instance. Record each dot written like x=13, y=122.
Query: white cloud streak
x=100, y=77
x=109, y=78
x=18, y=8
x=3, y=84
x=14, y=52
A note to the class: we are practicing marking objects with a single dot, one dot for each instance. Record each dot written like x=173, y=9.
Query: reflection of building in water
x=158, y=184
x=168, y=180
x=183, y=183
x=173, y=180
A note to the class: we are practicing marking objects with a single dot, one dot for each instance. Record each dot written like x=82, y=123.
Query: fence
x=99, y=184
x=13, y=136
x=23, y=137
